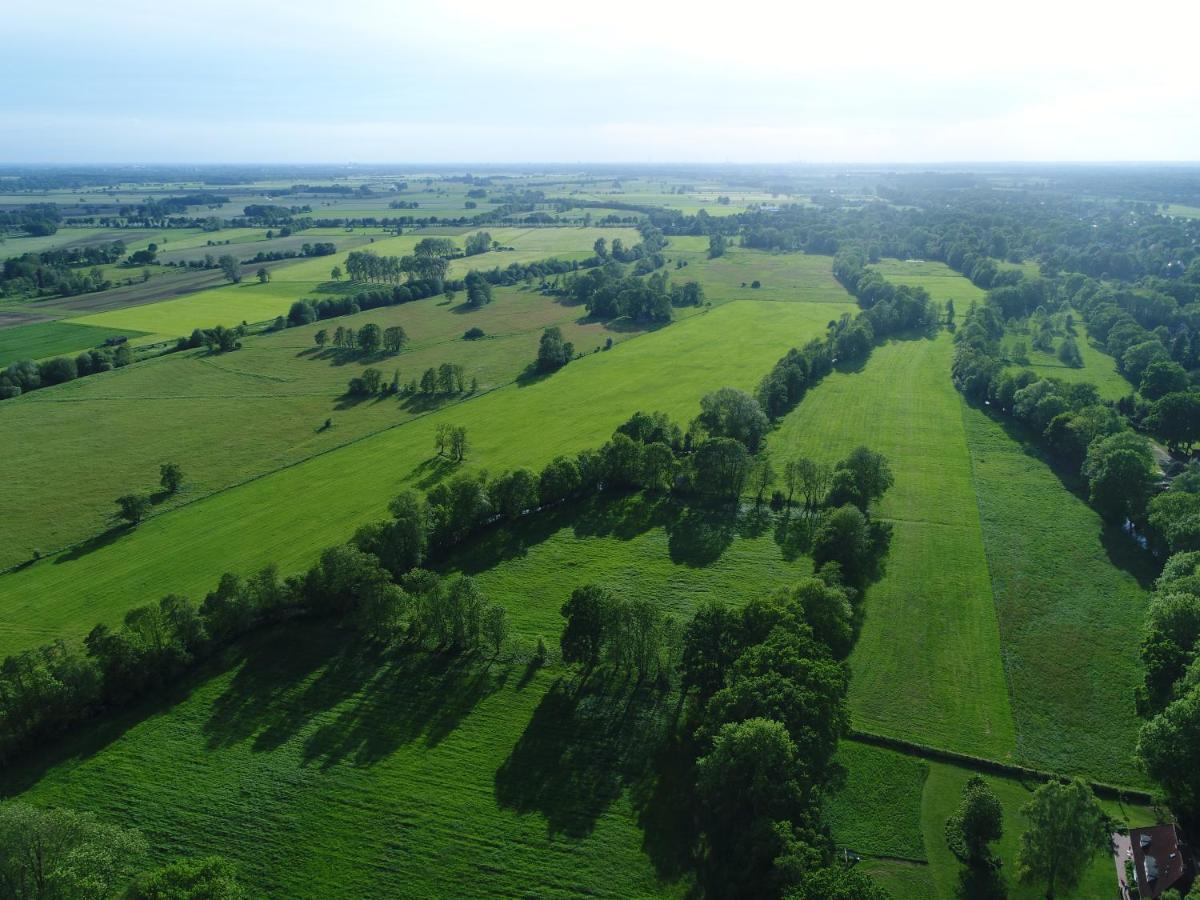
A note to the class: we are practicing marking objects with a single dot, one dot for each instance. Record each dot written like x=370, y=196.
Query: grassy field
x=262, y=405
x=253, y=302
x=942, y=282
x=326, y=768
x=287, y=516
x=52, y=339
x=928, y=664
x=1070, y=609
x=888, y=794
x=1098, y=367
x=635, y=546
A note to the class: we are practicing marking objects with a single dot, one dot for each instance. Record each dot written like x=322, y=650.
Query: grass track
x=1069, y=617
x=927, y=666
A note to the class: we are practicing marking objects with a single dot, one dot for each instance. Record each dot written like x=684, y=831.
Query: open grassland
x=52, y=339
x=783, y=276
x=1070, y=611
x=327, y=768
x=289, y=515
x=891, y=800
x=942, y=282
x=250, y=301
x=1098, y=367
x=637, y=546
x=927, y=666
x=262, y=406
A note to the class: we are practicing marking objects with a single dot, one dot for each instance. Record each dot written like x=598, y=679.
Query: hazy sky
x=614, y=80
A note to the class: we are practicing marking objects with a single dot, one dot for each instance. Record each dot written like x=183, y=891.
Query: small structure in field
x=1152, y=860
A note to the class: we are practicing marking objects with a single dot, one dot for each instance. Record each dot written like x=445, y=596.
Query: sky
x=635, y=81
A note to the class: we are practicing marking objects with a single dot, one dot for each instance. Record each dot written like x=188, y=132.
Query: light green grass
x=261, y=405
x=1069, y=618
x=322, y=768
x=889, y=794
x=288, y=516
x=927, y=665
x=791, y=277
x=254, y=302
x=636, y=546
x=942, y=282
x=45, y=339
x=1098, y=367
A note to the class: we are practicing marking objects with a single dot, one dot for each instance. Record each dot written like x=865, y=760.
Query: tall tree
x=1066, y=829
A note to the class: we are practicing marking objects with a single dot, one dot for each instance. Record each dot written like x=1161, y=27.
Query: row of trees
x=608, y=293
x=305, y=312
x=25, y=375
x=369, y=339
x=767, y=687
x=1071, y=421
x=888, y=309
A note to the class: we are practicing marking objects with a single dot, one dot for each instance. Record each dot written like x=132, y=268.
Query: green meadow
x=326, y=768
x=942, y=282
x=286, y=516
x=1070, y=609
x=927, y=666
x=45, y=339
x=1098, y=367
x=251, y=301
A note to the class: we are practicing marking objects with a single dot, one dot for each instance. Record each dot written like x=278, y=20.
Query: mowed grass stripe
x=1069, y=617
x=927, y=665
x=288, y=516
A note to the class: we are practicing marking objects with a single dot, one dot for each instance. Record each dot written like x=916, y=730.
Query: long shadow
x=622, y=516
x=413, y=694
x=531, y=375
x=95, y=736
x=92, y=544
x=793, y=534
x=701, y=534
x=586, y=743
x=432, y=470
x=384, y=696
x=665, y=802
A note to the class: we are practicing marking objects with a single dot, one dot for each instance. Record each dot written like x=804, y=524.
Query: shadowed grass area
x=324, y=767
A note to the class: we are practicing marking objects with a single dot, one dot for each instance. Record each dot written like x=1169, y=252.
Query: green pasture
x=781, y=276
x=288, y=515
x=1069, y=605
x=927, y=666
x=893, y=810
x=1098, y=367
x=637, y=546
x=942, y=282
x=262, y=405
x=44, y=339
x=322, y=767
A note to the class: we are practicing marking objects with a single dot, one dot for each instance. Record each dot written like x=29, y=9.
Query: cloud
x=625, y=80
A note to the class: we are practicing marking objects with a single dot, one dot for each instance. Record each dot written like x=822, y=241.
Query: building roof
x=1158, y=858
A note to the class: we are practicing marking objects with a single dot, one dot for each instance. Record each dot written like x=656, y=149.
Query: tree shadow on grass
x=370, y=698
x=432, y=470
x=701, y=534
x=1122, y=548
x=793, y=534
x=586, y=743
x=92, y=544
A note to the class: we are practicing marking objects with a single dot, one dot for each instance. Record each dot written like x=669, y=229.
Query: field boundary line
x=990, y=766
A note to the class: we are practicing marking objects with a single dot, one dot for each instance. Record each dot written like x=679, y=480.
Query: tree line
x=25, y=375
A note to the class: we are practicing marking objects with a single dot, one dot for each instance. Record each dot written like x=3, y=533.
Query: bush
x=473, y=334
